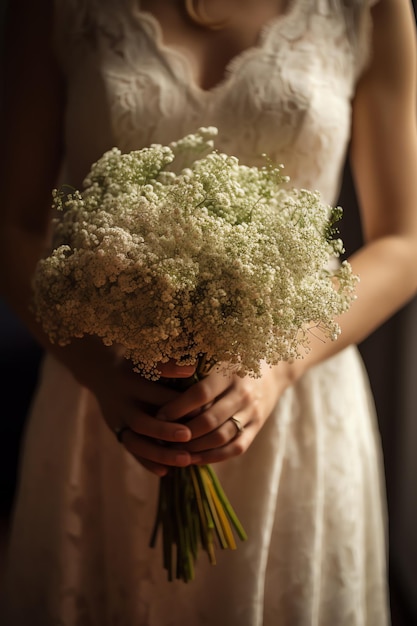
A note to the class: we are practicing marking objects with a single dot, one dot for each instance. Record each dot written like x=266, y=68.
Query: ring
x=119, y=432
x=237, y=423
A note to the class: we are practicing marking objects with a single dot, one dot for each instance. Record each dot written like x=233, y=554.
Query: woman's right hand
x=127, y=400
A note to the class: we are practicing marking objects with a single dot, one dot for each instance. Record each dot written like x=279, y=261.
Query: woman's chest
x=289, y=95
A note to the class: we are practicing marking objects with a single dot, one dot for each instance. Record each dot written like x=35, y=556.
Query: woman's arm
x=31, y=137
x=384, y=162
x=31, y=140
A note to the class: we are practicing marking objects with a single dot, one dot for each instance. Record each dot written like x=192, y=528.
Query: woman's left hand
x=208, y=406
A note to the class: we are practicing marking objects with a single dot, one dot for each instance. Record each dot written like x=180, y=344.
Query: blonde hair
x=197, y=14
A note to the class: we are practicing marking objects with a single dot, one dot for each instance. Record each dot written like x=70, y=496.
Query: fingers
x=197, y=396
x=236, y=447
x=172, y=370
x=140, y=423
x=215, y=436
x=222, y=436
x=214, y=399
x=149, y=392
x=208, y=435
x=134, y=400
x=145, y=436
x=224, y=443
x=155, y=468
x=216, y=414
x=153, y=453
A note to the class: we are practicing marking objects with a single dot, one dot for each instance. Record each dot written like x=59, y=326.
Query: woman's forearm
x=387, y=270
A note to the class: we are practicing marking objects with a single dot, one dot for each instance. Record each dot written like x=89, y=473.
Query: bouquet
x=180, y=252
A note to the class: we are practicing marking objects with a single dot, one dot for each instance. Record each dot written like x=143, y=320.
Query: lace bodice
x=289, y=95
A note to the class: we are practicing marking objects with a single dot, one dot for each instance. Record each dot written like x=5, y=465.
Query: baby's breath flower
x=219, y=259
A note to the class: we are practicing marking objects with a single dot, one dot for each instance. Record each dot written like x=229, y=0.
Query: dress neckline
x=168, y=52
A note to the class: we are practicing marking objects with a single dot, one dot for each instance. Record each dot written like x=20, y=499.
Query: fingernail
x=184, y=371
x=182, y=435
x=182, y=458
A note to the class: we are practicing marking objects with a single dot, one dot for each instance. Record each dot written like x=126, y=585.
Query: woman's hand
x=129, y=402
x=162, y=427
x=208, y=406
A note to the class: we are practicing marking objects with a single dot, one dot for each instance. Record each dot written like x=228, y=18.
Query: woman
x=301, y=81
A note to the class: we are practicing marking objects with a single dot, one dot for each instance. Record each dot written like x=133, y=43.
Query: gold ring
x=238, y=424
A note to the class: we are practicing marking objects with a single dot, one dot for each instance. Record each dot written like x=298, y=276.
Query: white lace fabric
x=309, y=490
x=288, y=96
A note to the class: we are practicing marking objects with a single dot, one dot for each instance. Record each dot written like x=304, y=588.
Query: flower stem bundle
x=194, y=512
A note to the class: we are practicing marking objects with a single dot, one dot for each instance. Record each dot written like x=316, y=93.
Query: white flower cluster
x=220, y=260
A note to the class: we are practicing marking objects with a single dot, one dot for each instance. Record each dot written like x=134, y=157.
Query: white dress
x=309, y=491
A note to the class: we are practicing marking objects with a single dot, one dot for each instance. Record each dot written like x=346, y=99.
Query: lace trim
x=277, y=25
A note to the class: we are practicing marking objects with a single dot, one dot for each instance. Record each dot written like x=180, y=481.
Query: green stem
x=228, y=507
